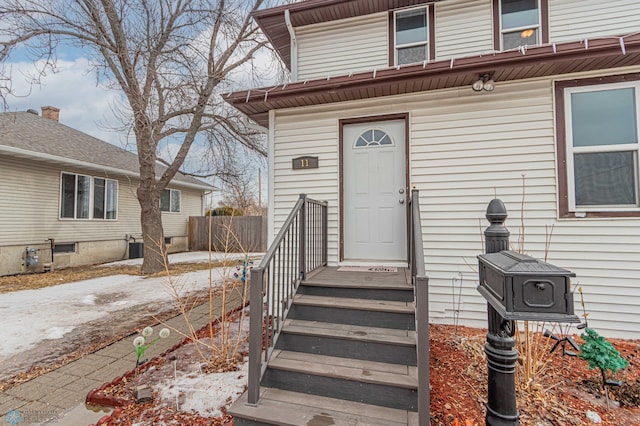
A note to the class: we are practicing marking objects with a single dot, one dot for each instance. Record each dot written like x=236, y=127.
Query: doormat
x=367, y=269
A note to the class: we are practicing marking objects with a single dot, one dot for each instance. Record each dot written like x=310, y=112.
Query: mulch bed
x=561, y=395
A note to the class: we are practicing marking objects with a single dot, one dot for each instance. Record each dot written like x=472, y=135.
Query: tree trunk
x=155, y=255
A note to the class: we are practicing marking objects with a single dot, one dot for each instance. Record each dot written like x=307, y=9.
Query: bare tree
x=170, y=58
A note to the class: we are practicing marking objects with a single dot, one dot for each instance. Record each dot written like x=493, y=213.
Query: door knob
x=401, y=190
x=401, y=200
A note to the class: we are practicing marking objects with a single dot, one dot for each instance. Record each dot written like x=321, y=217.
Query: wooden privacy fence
x=228, y=233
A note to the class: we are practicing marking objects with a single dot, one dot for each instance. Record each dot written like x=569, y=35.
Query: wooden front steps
x=346, y=355
x=279, y=407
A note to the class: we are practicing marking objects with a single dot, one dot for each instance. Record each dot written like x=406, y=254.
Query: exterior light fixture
x=484, y=82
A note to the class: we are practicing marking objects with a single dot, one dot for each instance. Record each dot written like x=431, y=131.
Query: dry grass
x=79, y=273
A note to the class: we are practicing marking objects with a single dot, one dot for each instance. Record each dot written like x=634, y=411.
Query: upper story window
x=521, y=23
x=411, y=36
x=602, y=147
x=86, y=197
x=170, y=201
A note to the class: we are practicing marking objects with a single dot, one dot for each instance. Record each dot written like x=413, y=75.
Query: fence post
x=255, y=335
x=500, y=348
x=302, y=234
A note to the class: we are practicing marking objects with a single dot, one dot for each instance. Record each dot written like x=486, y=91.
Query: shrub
x=601, y=354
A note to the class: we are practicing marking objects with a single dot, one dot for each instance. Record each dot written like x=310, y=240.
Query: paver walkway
x=57, y=397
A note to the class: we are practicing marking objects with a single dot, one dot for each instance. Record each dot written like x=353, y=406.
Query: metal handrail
x=299, y=248
x=421, y=290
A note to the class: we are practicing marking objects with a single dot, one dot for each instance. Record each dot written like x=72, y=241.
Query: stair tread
x=346, y=362
x=280, y=407
x=319, y=282
x=345, y=368
x=352, y=332
x=358, y=304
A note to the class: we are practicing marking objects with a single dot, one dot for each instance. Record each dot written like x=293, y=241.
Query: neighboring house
x=381, y=93
x=69, y=191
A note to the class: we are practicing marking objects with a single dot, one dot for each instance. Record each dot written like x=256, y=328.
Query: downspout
x=294, y=46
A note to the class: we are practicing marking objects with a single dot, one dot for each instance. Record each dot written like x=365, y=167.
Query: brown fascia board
x=513, y=65
x=308, y=12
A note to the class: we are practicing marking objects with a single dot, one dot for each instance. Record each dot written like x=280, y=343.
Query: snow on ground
x=206, y=394
x=31, y=316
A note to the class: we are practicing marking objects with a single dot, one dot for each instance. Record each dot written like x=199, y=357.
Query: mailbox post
x=517, y=287
x=500, y=347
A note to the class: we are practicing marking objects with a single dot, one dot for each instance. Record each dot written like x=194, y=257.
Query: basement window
x=64, y=248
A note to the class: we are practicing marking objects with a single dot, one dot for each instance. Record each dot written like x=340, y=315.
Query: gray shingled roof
x=30, y=133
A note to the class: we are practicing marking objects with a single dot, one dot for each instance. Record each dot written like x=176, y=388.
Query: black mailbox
x=521, y=287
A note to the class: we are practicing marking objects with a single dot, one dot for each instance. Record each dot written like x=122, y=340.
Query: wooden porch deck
x=332, y=276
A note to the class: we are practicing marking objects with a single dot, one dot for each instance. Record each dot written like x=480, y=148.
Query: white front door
x=375, y=193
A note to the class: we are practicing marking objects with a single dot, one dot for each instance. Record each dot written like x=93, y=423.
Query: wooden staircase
x=346, y=355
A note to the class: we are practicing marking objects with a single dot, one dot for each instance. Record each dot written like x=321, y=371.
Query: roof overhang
x=549, y=60
x=308, y=12
x=54, y=159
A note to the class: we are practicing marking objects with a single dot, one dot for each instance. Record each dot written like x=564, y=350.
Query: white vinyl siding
x=30, y=213
x=467, y=147
x=342, y=47
x=463, y=28
x=572, y=20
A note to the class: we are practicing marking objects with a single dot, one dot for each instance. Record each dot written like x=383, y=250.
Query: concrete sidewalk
x=57, y=397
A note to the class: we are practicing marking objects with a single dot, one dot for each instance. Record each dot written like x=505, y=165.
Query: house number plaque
x=305, y=163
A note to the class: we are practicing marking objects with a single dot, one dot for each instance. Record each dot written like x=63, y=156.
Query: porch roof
x=539, y=61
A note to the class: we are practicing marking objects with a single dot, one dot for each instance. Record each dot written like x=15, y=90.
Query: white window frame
x=171, y=210
x=397, y=46
x=516, y=29
x=571, y=150
x=91, y=197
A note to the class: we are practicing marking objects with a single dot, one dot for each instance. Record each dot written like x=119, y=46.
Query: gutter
x=84, y=164
x=294, y=46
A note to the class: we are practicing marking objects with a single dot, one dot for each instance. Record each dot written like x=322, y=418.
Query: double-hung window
x=602, y=147
x=520, y=23
x=170, y=201
x=411, y=36
x=86, y=197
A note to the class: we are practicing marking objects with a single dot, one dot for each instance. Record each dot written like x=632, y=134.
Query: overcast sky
x=88, y=106
x=83, y=104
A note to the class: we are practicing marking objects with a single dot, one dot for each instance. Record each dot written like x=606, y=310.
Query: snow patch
x=30, y=316
x=205, y=394
x=54, y=333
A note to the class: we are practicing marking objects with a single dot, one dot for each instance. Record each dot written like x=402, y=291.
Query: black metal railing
x=299, y=248
x=421, y=289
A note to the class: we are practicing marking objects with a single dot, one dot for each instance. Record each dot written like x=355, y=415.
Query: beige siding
x=571, y=20
x=467, y=147
x=30, y=216
x=463, y=28
x=342, y=47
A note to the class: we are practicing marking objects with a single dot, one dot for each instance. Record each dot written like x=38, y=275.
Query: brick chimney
x=52, y=113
